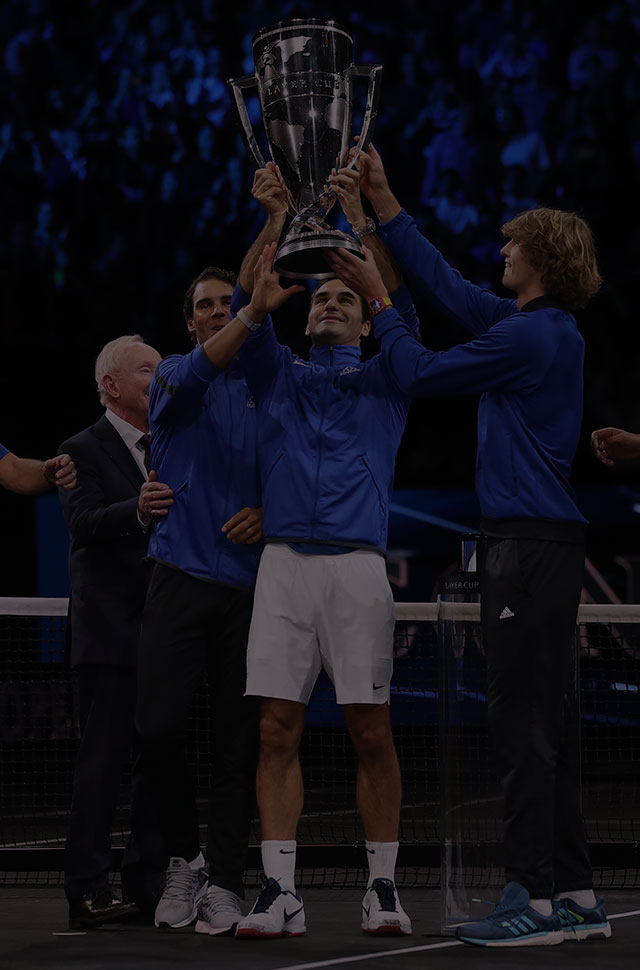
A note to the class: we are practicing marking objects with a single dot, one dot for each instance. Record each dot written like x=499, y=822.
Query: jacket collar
x=543, y=303
x=338, y=356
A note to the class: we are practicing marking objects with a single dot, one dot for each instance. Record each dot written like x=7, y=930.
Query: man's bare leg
x=379, y=782
x=278, y=910
x=279, y=780
x=379, y=802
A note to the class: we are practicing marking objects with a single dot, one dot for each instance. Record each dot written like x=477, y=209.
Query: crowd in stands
x=122, y=166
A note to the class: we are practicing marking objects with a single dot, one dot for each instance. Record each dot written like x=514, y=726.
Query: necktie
x=145, y=443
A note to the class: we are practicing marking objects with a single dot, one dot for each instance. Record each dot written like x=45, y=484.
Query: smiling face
x=519, y=275
x=127, y=385
x=335, y=316
x=211, y=308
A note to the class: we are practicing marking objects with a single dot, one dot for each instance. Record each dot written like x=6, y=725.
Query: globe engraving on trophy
x=303, y=75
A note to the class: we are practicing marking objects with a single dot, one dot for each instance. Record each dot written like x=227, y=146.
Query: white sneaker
x=276, y=912
x=382, y=914
x=219, y=911
x=183, y=891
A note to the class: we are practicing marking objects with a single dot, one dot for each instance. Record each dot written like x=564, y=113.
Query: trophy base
x=303, y=255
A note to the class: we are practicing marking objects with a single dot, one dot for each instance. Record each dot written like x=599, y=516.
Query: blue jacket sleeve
x=505, y=358
x=261, y=359
x=261, y=356
x=401, y=299
x=178, y=386
x=429, y=275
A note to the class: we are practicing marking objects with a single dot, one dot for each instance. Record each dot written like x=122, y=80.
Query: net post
x=460, y=648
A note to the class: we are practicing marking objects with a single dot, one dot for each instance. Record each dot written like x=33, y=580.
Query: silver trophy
x=304, y=74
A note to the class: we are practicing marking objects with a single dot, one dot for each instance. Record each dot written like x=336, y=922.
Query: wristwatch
x=378, y=304
x=367, y=230
x=244, y=317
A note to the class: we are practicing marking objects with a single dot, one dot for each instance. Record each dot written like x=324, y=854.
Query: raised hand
x=346, y=185
x=267, y=293
x=374, y=184
x=361, y=275
x=270, y=191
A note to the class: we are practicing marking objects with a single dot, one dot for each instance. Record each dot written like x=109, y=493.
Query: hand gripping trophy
x=304, y=79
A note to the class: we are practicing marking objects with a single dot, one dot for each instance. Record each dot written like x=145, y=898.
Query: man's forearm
x=387, y=266
x=23, y=475
x=270, y=233
x=223, y=346
x=385, y=204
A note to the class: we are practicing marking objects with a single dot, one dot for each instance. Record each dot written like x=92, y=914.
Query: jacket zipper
x=320, y=441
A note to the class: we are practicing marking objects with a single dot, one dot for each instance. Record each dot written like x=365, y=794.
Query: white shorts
x=311, y=612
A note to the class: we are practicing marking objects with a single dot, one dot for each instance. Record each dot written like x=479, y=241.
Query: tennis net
x=436, y=645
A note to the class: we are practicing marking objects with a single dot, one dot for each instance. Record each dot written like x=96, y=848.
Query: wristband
x=378, y=304
x=367, y=230
x=244, y=317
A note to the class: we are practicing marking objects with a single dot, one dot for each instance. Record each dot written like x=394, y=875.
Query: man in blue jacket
x=205, y=557
x=328, y=430
x=526, y=361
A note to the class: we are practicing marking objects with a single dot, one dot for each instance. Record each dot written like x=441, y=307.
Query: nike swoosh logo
x=287, y=851
x=289, y=916
x=378, y=686
x=365, y=910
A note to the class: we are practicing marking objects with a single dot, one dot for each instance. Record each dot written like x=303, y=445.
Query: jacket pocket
x=276, y=461
x=382, y=507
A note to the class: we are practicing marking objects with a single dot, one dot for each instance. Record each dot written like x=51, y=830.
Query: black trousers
x=190, y=626
x=106, y=697
x=530, y=591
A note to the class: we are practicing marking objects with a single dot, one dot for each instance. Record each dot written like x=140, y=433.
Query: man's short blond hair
x=108, y=361
x=560, y=246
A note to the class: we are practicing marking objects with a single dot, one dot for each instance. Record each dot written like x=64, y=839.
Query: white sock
x=542, y=906
x=381, y=857
x=279, y=861
x=583, y=897
x=198, y=862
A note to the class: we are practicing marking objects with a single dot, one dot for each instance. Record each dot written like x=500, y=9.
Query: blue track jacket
x=203, y=442
x=527, y=364
x=328, y=430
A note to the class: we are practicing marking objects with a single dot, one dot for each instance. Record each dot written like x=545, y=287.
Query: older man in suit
x=109, y=515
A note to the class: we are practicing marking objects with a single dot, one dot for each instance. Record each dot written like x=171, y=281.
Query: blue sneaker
x=579, y=923
x=513, y=923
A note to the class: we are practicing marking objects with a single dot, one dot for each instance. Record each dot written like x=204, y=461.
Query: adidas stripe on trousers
x=530, y=591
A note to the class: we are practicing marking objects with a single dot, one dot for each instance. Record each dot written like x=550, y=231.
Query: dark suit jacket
x=108, y=575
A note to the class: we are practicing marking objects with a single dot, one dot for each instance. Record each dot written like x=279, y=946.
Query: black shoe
x=145, y=891
x=97, y=907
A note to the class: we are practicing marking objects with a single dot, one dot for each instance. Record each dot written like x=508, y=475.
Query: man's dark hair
x=363, y=303
x=210, y=273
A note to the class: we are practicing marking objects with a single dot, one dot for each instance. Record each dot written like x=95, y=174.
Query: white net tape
x=405, y=612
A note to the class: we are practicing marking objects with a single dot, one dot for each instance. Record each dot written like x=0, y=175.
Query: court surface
x=31, y=918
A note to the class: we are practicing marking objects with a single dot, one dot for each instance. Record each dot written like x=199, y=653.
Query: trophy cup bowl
x=303, y=75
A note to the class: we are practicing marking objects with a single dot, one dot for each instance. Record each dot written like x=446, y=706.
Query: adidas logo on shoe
x=506, y=614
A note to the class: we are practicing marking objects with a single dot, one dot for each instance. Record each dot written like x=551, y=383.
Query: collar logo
x=349, y=370
x=251, y=401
